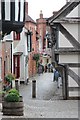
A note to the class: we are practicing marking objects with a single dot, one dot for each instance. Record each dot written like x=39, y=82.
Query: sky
x=47, y=7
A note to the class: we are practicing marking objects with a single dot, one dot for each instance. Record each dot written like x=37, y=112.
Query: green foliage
x=36, y=57
x=14, y=91
x=9, y=77
x=12, y=96
x=2, y=92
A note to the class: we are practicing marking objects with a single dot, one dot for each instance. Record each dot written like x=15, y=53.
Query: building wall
x=63, y=42
x=6, y=55
x=74, y=12
x=20, y=50
x=70, y=58
x=73, y=29
x=41, y=28
x=31, y=63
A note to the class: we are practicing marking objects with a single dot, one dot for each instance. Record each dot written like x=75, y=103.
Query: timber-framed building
x=65, y=26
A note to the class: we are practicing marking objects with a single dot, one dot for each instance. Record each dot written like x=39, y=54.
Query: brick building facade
x=30, y=25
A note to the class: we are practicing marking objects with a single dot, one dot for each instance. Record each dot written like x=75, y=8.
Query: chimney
x=26, y=7
x=41, y=14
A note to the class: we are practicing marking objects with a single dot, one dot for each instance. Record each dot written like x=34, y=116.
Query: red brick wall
x=6, y=58
x=32, y=64
x=41, y=27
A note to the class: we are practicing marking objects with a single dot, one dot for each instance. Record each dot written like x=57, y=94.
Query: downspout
x=11, y=57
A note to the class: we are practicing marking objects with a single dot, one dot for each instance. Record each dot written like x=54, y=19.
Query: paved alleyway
x=45, y=105
x=45, y=87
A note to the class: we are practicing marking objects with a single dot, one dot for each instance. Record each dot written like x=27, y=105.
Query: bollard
x=34, y=89
x=16, y=85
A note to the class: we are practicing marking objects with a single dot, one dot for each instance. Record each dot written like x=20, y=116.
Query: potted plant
x=12, y=104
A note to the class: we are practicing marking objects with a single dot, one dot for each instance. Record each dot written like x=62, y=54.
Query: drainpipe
x=11, y=57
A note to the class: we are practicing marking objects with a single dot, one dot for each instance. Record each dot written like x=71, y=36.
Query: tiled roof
x=29, y=19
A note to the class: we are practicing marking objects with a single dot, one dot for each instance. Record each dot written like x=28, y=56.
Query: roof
x=70, y=20
x=66, y=9
x=29, y=19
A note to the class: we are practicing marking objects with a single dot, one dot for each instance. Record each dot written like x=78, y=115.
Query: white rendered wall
x=74, y=12
x=24, y=68
x=73, y=29
x=71, y=81
x=22, y=48
x=68, y=59
x=9, y=36
x=63, y=42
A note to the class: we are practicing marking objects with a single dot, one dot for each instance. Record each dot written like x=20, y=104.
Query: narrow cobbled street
x=47, y=103
x=45, y=88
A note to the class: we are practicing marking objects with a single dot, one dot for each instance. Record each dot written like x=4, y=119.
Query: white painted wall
x=63, y=42
x=9, y=36
x=40, y=45
x=22, y=47
x=73, y=93
x=7, y=9
x=22, y=68
x=68, y=59
x=73, y=29
x=76, y=70
x=74, y=12
x=71, y=82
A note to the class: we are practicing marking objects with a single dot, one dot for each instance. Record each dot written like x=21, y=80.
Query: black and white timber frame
x=56, y=23
x=12, y=16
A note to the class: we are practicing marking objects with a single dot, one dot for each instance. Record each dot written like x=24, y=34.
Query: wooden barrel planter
x=13, y=108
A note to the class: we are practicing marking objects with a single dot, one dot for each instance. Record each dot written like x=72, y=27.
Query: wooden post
x=34, y=89
x=63, y=69
x=65, y=82
x=16, y=85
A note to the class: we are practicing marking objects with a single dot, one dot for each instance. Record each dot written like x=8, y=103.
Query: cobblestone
x=47, y=104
